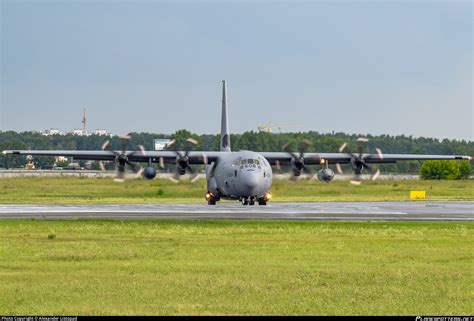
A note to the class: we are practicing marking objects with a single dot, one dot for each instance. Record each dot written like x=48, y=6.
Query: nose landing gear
x=252, y=199
x=247, y=201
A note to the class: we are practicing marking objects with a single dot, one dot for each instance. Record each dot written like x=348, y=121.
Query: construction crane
x=269, y=127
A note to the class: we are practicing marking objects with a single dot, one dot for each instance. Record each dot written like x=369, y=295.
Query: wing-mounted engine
x=122, y=158
x=358, y=161
x=325, y=175
x=183, y=160
x=297, y=160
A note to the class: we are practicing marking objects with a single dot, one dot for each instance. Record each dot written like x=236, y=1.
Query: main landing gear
x=211, y=199
x=245, y=200
x=251, y=200
x=248, y=200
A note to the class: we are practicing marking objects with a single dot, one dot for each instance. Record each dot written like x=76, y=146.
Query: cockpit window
x=244, y=161
x=257, y=162
x=250, y=161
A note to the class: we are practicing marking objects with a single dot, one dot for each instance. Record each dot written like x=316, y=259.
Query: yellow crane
x=269, y=127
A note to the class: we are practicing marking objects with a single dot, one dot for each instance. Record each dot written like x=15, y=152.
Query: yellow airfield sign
x=417, y=195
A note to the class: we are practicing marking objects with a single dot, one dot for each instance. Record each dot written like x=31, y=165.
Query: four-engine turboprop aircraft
x=243, y=175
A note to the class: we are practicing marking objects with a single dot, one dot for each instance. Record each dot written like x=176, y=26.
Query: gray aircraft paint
x=230, y=179
x=227, y=177
x=225, y=137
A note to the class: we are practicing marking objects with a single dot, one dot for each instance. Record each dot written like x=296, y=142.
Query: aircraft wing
x=195, y=157
x=85, y=154
x=202, y=157
x=344, y=158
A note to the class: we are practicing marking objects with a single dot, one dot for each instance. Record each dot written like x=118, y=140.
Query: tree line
x=255, y=141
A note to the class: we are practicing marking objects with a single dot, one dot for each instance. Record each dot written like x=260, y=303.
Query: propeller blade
x=339, y=169
x=142, y=149
x=342, y=148
x=140, y=172
x=132, y=166
x=304, y=144
x=194, y=177
x=369, y=168
x=162, y=162
x=204, y=158
x=356, y=182
x=105, y=145
x=125, y=136
x=376, y=175
x=171, y=143
x=174, y=180
x=294, y=155
x=379, y=153
x=362, y=140
x=278, y=165
x=192, y=141
x=190, y=169
x=102, y=166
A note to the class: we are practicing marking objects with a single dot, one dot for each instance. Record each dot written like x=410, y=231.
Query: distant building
x=78, y=132
x=60, y=159
x=52, y=131
x=160, y=144
x=101, y=132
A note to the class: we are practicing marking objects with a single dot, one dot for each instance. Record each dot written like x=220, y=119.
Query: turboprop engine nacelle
x=149, y=172
x=325, y=175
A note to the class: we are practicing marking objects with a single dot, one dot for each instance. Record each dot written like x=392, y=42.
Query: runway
x=319, y=211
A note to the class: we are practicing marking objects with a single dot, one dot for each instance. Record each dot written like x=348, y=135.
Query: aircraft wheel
x=252, y=201
x=245, y=201
x=212, y=201
x=261, y=201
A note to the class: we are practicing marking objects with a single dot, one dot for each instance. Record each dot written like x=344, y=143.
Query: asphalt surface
x=322, y=211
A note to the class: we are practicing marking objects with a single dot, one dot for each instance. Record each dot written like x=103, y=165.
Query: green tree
x=443, y=170
x=465, y=169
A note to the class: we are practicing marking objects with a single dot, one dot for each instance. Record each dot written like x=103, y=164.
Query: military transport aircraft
x=243, y=175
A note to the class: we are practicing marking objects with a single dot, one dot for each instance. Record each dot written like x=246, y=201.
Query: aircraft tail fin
x=225, y=137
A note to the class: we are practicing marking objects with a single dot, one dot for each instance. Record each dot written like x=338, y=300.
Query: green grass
x=243, y=268
x=69, y=190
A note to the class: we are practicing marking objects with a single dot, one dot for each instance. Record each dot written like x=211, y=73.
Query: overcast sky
x=379, y=67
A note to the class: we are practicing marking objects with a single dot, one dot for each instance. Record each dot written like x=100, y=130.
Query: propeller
x=182, y=161
x=358, y=161
x=297, y=160
x=122, y=158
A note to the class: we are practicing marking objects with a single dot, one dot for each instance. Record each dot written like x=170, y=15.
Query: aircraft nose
x=251, y=182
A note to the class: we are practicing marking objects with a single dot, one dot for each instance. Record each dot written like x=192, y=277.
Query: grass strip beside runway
x=206, y=267
x=71, y=190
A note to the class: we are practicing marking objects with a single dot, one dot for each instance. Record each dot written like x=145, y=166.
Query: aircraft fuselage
x=239, y=175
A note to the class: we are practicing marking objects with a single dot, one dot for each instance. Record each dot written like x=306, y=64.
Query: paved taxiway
x=324, y=211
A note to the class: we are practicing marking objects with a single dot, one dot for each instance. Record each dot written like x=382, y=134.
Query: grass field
x=69, y=190
x=222, y=268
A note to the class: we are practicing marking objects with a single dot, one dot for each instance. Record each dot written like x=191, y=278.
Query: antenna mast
x=84, y=121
